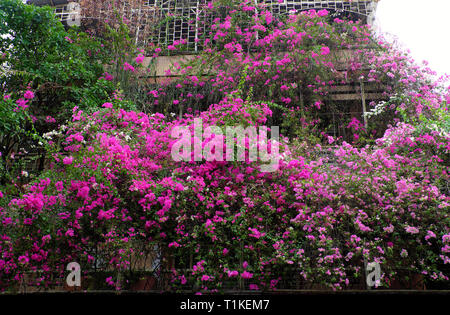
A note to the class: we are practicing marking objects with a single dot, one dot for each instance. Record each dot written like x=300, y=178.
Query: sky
x=422, y=26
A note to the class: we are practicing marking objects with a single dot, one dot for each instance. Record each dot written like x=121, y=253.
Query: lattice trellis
x=166, y=21
x=174, y=15
x=361, y=7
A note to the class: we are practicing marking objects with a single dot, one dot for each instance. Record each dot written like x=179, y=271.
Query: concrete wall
x=340, y=93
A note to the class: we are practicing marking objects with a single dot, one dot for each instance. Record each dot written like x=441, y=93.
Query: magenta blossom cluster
x=113, y=191
x=114, y=186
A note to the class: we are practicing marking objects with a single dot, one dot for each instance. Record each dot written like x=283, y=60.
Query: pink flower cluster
x=114, y=191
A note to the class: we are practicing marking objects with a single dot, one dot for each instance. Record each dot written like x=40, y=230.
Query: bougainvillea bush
x=115, y=185
x=294, y=63
x=113, y=191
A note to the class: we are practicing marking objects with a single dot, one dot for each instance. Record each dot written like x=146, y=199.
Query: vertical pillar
x=197, y=12
x=363, y=100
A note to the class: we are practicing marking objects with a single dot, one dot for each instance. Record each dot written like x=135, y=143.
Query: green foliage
x=11, y=120
x=63, y=67
x=38, y=49
x=36, y=44
x=29, y=34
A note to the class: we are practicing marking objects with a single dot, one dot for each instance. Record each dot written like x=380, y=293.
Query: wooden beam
x=356, y=96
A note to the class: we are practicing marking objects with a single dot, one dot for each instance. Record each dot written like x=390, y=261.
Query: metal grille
x=180, y=20
x=165, y=21
x=174, y=16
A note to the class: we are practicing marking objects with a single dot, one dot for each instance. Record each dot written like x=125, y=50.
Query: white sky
x=422, y=26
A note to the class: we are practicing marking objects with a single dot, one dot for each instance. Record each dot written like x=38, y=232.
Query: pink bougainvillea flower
x=355, y=124
x=59, y=186
x=23, y=260
x=67, y=160
x=154, y=93
x=246, y=275
x=325, y=51
x=446, y=238
x=174, y=244
x=22, y=103
x=233, y=273
x=253, y=287
x=107, y=76
x=50, y=119
x=412, y=230
x=83, y=192
x=322, y=12
x=128, y=67
x=107, y=105
x=7, y=221
x=255, y=233
x=107, y=215
x=29, y=95
x=110, y=281
x=140, y=58
x=430, y=234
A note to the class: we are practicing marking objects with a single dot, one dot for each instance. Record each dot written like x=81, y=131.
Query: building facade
x=185, y=19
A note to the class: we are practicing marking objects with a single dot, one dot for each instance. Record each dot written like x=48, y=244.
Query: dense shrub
x=118, y=185
x=113, y=190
